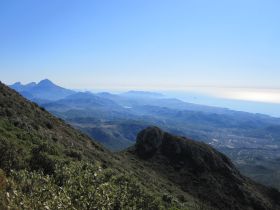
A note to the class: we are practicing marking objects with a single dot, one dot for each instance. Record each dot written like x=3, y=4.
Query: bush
x=11, y=155
x=44, y=157
x=74, y=154
x=45, y=147
x=49, y=125
x=44, y=162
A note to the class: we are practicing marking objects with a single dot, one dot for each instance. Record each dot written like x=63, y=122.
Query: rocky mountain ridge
x=201, y=171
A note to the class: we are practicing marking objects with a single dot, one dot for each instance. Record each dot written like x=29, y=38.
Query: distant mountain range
x=252, y=141
x=45, y=90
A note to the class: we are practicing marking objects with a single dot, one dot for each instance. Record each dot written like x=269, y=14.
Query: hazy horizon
x=246, y=99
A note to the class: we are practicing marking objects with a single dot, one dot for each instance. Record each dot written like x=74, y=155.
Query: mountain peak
x=17, y=83
x=45, y=90
x=149, y=141
x=201, y=170
x=31, y=84
x=181, y=151
x=46, y=82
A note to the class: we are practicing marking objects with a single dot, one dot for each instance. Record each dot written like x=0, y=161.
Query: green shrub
x=49, y=125
x=11, y=155
x=44, y=157
x=44, y=147
x=74, y=154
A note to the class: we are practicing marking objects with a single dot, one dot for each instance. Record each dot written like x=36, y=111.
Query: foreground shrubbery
x=78, y=185
x=39, y=173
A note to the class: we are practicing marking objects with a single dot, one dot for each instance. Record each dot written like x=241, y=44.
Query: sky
x=230, y=48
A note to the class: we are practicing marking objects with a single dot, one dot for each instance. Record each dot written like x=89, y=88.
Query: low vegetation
x=77, y=185
x=44, y=175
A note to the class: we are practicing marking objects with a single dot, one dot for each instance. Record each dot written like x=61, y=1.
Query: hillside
x=46, y=164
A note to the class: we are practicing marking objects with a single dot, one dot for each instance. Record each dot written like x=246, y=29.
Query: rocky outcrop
x=203, y=172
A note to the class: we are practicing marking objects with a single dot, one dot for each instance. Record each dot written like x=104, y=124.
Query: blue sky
x=141, y=44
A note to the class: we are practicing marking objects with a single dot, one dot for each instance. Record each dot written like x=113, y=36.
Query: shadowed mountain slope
x=201, y=171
